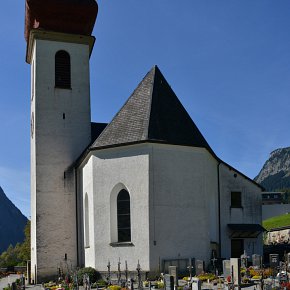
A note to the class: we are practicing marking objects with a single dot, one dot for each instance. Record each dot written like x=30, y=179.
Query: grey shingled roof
x=152, y=113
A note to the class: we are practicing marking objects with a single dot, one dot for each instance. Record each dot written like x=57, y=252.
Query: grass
x=277, y=222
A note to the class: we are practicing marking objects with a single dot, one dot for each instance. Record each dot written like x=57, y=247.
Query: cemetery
x=234, y=273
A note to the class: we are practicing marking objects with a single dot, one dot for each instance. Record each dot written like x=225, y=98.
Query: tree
x=24, y=253
x=18, y=255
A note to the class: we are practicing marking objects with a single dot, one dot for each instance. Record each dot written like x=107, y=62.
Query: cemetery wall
x=115, y=169
x=250, y=211
x=183, y=203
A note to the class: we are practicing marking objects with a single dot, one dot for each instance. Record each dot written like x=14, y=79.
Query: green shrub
x=93, y=274
x=206, y=276
x=102, y=283
x=114, y=287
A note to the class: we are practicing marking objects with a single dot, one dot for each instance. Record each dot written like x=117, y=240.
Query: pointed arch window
x=123, y=216
x=62, y=70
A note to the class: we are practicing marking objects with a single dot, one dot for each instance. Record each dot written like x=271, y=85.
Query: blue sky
x=228, y=61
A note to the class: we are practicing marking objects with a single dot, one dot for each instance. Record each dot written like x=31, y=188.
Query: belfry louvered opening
x=62, y=70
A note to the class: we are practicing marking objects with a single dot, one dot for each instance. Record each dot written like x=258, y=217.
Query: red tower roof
x=68, y=16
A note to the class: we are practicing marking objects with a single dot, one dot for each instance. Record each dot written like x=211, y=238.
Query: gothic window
x=62, y=70
x=87, y=225
x=123, y=216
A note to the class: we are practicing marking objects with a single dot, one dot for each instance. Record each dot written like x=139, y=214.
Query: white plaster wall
x=57, y=144
x=251, y=211
x=114, y=169
x=89, y=190
x=183, y=203
x=174, y=204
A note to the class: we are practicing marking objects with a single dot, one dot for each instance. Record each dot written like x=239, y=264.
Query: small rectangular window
x=236, y=199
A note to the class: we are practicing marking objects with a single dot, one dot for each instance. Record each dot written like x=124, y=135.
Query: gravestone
x=196, y=284
x=274, y=261
x=172, y=271
x=256, y=260
x=226, y=268
x=236, y=271
x=169, y=282
x=199, y=267
x=288, y=261
x=244, y=260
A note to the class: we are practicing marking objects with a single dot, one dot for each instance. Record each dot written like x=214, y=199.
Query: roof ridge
x=152, y=112
x=150, y=103
x=124, y=105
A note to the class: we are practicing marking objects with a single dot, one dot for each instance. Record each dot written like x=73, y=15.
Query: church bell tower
x=59, y=44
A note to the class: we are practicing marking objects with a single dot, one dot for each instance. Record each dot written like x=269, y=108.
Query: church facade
x=145, y=188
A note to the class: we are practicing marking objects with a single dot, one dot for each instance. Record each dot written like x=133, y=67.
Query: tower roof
x=152, y=113
x=68, y=16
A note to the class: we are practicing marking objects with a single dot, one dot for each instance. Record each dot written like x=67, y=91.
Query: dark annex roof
x=96, y=130
x=152, y=113
x=245, y=230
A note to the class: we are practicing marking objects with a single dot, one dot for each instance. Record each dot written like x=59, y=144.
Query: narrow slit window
x=62, y=70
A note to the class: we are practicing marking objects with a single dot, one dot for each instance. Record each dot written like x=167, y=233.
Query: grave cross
x=190, y=267
x=139, y=275
x=119, y=272
x=126, y=273
x=214, y=260
x=109, y=272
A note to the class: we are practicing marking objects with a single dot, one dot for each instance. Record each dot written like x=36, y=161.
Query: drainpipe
x=77, y=215
x=219, y=207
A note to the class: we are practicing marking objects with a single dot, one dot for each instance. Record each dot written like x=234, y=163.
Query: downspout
x=219, y=207
x=77, y=215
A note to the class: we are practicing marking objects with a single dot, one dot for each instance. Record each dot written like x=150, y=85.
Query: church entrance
x=237, y=248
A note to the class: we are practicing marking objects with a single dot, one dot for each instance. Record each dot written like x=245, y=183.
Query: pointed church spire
x=152, y=113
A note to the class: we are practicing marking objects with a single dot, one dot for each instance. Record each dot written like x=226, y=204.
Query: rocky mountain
x=12, y=223
x=275, y=174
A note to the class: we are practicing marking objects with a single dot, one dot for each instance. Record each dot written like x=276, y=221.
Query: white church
x=146, y=187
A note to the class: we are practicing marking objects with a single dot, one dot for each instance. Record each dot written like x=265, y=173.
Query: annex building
x=147, y=186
